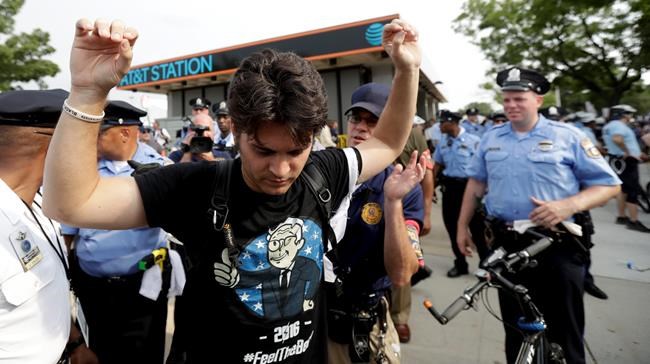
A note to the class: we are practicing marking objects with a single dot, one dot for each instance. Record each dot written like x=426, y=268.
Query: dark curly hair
x=280, y=87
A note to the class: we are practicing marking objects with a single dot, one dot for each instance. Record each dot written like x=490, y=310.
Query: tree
x=484, y=108
x=597, y=49
x=21, y=54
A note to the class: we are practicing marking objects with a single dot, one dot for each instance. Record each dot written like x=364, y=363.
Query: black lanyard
x=57, y=249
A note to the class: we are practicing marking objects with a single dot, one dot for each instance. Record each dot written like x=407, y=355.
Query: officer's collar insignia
x=21, y=235
x=545, y=145
x=371, y=213
x=514, y=75
x=589, y=148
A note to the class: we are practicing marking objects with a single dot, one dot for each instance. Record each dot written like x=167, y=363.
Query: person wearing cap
x=472, y=124
x=547, y=172
x=105, y=263
x=224, y=141
x=452, y=160
x=35, y=313
x=260, y=212
x=624, y=157
x=377, y=250
x=200, y=105
x=497, y=118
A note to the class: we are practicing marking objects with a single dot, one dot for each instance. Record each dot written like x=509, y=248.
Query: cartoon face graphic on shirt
x=284, y=243
x=279, y=271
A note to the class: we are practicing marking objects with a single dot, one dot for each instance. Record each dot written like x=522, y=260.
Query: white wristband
x=82, y=115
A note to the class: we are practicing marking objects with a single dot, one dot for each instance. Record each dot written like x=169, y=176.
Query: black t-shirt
x=274, y=311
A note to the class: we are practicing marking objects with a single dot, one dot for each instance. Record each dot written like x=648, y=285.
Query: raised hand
x=101, y=55
x=400, y=41
x=224, y=273
x=403, y=180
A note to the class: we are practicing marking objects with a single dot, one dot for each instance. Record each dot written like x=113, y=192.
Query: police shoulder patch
x=589, y=148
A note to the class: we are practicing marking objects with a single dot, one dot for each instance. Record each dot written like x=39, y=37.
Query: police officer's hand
x=224, y=273
x=464, y=241
x=101, y=55
x=551, y=213
x=403, y=180
x=400, y=41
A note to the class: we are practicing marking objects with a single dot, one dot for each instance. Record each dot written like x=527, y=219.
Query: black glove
x=142, y=168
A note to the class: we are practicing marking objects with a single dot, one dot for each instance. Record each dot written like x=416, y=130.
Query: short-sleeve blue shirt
x=551, y=162
x=108, y=253
x=617, y=127
x=473, y=128
x=456, y=153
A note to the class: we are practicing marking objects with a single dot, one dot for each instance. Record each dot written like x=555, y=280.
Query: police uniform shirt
x=456, y=153
x=107, y=253
x=473, y=128
x=228, y=141
x=551, y=162
x=617, y=127
x=588, y=132
x=34, y=294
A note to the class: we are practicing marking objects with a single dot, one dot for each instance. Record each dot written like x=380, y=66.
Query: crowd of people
x=278, y=244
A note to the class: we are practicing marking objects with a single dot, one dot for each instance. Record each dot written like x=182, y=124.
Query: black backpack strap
x=318, y=186
x=220, y=195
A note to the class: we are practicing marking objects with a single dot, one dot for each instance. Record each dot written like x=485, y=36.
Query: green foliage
x=483, y=107
x=21, y=54
x=595, y=45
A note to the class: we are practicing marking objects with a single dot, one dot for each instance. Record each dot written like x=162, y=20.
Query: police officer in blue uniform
x=472, y=124
x=123, y=325
x=624, y=157
x=545, y=171
x=453, y=156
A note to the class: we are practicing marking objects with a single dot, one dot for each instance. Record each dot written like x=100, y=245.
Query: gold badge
x=589, y=148
x=371, y=213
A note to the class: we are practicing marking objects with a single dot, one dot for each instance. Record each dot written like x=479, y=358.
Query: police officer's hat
x=472, y=111
x=446, y=115
x=120, y=113
x=200, y=103
x=41, y=108
x=499, y=114
x=623, y=109
x=220, y=108
x=520, y=79
x=553, y=112
x=371, y=97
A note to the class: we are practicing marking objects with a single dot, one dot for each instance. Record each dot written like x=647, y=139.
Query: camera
x=200, y=143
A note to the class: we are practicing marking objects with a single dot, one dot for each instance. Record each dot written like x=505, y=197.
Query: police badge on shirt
x=25, y=247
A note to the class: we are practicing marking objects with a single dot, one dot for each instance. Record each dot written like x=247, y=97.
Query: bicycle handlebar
x=494, y=270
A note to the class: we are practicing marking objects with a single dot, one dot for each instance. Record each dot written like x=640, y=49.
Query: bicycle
x=535, y=344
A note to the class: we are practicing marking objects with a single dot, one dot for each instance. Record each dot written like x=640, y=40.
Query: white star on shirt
x=260, y=245
x=244, y=297
x=308, y=250
x=246, y=255
x=257, y=306
x=315, y=236
x=260, y=266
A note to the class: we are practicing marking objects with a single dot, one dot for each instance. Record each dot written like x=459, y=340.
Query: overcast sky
x=174, y=28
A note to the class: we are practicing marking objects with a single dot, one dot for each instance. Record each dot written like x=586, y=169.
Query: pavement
x=616, y=329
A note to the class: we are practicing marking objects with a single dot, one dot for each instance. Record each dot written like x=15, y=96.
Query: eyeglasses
x=354, y=118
